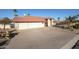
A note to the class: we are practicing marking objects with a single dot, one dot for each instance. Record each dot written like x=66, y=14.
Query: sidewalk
x=71, y=43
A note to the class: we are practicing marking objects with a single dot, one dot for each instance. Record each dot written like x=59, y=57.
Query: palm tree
x=77, y=18
x=58, y=18
x=77, y=15
x=15, y=12
x=5, y=21
x=28, y=14
x=71, y=20
x=68, y=20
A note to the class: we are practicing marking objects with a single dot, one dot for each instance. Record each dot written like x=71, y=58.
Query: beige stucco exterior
x=22, y=26
x=6, y=27
x=35, y=24
x=51, y=22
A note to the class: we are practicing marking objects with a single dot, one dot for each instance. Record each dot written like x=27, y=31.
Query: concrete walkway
x=71, y=43
x=41, y=38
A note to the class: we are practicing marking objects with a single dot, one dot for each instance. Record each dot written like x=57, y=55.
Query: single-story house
x=26, y=22
x=6, y=27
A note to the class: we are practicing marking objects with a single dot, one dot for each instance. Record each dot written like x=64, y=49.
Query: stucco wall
x=51, y=22
x=28, y=25
x=7, y=26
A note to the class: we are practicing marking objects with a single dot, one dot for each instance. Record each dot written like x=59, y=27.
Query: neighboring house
x=26, y=22
x=6, y=27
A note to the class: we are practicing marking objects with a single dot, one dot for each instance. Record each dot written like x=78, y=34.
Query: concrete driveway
x=41, y=38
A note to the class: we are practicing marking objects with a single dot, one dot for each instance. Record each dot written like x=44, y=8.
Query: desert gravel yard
x=41, y=38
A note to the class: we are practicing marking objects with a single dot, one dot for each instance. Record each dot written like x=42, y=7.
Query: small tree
x=15, y=12
x=58, y=18
x=5, y=21
x=28, y=14
x=71, y=19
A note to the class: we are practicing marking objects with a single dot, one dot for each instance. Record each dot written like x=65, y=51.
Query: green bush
x=76, y=26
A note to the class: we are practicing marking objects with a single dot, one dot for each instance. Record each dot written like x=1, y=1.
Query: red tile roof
x=26, y=19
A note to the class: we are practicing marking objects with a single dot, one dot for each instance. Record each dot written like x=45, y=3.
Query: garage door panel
x=30, y=25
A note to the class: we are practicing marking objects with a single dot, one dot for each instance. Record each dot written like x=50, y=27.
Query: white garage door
x=29, y=25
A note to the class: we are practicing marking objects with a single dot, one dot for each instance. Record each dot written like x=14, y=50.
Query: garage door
x=30, y=25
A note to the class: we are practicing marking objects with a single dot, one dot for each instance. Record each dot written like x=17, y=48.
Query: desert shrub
x=76, y=26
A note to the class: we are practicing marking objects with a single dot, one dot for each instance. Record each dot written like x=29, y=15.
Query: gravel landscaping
x=4, y=41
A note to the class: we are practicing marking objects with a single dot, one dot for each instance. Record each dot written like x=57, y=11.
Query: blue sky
x=62, y=13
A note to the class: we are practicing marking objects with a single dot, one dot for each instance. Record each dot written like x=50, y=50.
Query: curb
x=71, y=43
